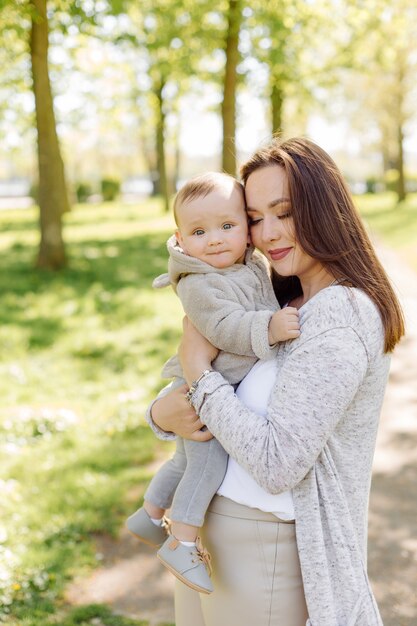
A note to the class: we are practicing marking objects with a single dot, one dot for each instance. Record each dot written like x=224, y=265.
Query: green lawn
x=80, y=356
x=395, y=224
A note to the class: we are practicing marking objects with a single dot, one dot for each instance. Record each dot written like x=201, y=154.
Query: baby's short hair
x=200, y=186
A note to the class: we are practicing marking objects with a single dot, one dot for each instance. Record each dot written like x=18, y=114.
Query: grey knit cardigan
x=318, y=439
x=231, y=307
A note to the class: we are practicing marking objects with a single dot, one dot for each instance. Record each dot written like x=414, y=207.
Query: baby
x=225, y=289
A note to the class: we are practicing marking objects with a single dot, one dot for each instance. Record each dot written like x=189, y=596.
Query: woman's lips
x=279, y=253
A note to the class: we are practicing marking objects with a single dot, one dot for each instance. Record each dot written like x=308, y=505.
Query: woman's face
x=271, y=223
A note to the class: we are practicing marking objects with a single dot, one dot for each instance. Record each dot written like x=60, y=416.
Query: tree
x=289, y=39
x=29, y=23
x=157, y=31
x=53, y=199
x=382, y=79
x=228, y=108
x=175, y=40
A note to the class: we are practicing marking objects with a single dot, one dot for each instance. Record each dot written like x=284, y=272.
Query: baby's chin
x=220, y=266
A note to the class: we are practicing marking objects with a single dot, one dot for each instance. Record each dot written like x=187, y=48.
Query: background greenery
x=105, y=96
x=80, y=358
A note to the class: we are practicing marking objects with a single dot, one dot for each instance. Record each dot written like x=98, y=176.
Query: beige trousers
x=256, y=572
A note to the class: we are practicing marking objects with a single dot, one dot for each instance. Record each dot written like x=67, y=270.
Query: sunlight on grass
x=395, y=224
x=80, y=358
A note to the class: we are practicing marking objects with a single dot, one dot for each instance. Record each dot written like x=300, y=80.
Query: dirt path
x=135, y=584
x=393, y=505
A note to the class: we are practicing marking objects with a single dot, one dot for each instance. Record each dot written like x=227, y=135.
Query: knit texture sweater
x=318, y=439
x=231, y=307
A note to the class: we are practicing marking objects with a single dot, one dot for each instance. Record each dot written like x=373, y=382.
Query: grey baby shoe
x=141, y=525
x=190, y=564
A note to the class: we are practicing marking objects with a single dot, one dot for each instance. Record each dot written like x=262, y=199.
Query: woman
x=306, y=431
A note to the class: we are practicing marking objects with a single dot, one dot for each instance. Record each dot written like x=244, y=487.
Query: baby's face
x=214, y=229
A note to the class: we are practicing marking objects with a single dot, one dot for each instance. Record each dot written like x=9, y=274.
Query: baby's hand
x=284, y=325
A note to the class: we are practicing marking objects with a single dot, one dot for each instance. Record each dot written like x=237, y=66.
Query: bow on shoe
x=203, y=555
x=166, y=524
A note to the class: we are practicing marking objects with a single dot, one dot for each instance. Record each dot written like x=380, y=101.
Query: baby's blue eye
x=199, y=231
x=227, y=226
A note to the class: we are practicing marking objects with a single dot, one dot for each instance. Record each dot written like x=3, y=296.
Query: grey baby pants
x=189, y=480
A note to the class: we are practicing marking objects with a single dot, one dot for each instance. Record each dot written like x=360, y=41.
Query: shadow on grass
x=114, y=264
x=97, y=272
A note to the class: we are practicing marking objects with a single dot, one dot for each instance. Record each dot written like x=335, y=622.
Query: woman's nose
x=270, y=229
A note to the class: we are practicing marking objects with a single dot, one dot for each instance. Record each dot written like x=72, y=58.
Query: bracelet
x=194, y=386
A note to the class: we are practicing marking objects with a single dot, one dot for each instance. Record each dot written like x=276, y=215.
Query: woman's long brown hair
x=328, y=227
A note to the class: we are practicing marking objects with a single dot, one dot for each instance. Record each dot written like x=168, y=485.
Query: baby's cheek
x=254, y=236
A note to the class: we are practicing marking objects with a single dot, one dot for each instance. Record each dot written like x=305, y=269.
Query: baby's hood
x=180, y=264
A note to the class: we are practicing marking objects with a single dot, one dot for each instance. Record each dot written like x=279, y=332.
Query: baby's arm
x=215, y=310
x=284, y=325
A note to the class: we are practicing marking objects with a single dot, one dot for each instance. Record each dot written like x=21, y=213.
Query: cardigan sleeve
x=314, y=387
x=225, y=321
x=162, y=434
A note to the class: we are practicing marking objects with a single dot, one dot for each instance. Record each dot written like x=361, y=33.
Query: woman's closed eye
x=253, y=221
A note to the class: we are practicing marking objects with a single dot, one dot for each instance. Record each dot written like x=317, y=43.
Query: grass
x=395, y=224
x=80, y=358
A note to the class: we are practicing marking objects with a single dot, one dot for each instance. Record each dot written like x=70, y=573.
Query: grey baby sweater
x=318, y=439
x=231, y=307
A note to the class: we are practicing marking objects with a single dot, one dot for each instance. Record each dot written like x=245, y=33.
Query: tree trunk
x=177, y=162
x=400, y=165
x=160, y=147
x=53, y=199
x=277, y=103
x=400, y=89
x=229, y=90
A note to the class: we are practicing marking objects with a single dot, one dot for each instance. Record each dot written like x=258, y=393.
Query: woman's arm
x=171, y=414
x=313, y=390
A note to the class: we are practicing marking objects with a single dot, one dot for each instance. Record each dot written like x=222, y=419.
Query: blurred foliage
x=117, y=66
x=110, y=189
x=80, y=358
x=83, y=191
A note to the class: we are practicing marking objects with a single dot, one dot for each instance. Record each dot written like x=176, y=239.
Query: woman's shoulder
x=340, y=304
x=339, y=307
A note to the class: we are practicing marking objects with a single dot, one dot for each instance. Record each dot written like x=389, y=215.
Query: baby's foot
x=141, y=525
x=190, y=564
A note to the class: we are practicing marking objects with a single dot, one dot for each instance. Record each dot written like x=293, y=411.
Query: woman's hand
x=195, y=352
x=173, y=413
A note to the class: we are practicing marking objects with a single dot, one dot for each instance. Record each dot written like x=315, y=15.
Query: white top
x=238, y=485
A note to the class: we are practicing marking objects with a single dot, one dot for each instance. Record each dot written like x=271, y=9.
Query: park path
x=134, y=583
